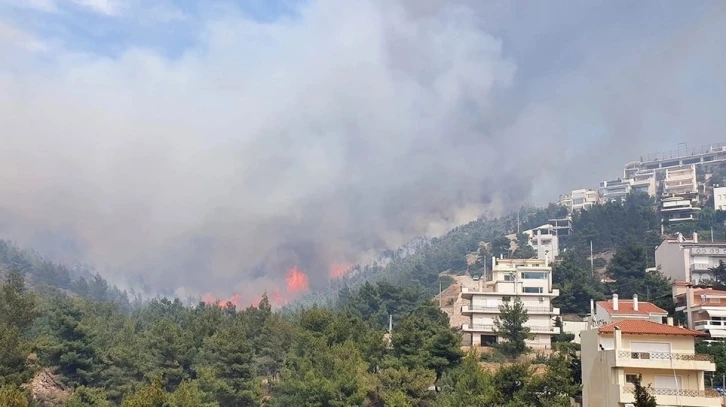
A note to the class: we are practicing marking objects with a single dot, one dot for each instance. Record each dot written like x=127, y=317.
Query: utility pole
x=518, y=210
x=592, y=260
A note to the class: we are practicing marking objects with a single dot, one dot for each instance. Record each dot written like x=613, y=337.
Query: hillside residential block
x=583, y=199
x=719, y=198
x=613, y=355
x=688, y=260
x=617, y=310
x=705, y=308
x=544, y=241
x=531, y=281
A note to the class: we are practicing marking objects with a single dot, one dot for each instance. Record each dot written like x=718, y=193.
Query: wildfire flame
x=297, y=281
x=338, y=270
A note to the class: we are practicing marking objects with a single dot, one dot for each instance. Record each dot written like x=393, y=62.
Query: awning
x=717, y=313
x=717, y=333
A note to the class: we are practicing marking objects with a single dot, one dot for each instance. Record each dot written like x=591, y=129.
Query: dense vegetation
x=166, y=354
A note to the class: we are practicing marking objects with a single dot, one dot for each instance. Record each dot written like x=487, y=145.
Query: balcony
x=710, y=324
x=702, y=266
x=675, y=397
x=469, y=309
x=539, y=329
x=664, y=360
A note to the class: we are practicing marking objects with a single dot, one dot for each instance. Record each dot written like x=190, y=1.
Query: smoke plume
x=271, y=155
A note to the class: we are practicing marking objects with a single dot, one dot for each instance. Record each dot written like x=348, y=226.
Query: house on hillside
x=705, y=308
x=689, y=260
x=615, y=309
x=613, y=355
x=531, y=281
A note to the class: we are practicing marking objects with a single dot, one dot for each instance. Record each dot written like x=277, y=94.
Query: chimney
x=695, y=237
x=669, y=321
x=615, y=302
x=635, y=302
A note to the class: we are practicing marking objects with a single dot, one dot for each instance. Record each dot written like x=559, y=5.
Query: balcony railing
x=676, y=392
x=481, y=308
x=710, y=322
x=665, y=356
x=492, y=328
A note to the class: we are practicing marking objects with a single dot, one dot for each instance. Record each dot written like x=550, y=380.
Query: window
x=534, y=275
x=532, y=290
x=631, y=378
x=509, y=277
x=506, y=299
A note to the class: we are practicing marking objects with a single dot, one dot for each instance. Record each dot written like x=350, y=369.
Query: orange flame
x=338, y=270
x=297, y=281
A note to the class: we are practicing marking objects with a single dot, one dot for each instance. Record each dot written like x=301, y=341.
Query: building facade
x=613, y=191
x=529, y=280
x=719, y=198
x=583, y=199
x=680, y=181
x=689, y=260
x=614, y=355
x=544, y=241
x=705, y=309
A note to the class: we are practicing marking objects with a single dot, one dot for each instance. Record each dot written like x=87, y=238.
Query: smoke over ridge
x=311, y=141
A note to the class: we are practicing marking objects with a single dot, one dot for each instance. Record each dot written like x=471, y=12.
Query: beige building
x=529, y=280
x=705, y=308
x=617, y=310
x=613, y=355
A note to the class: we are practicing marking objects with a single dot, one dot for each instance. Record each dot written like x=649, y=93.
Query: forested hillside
x=166, y=354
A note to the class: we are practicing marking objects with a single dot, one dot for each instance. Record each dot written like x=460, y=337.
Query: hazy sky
x=209, y=146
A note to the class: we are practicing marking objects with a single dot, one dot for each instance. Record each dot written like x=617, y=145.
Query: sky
x=209, y=147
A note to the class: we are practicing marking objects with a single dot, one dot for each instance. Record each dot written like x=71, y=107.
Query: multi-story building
x=705, y=308
x=544, y=241
x=645, y=183
x=612, y=191
x=687, y=260
x=614, y=355
x=719, y=198
x=530, y=281
x=659, y=163
x=680, y=181
x=583, y=199
x=679, y=208
x=617, y=310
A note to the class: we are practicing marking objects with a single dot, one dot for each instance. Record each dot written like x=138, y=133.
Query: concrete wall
x=672, y=261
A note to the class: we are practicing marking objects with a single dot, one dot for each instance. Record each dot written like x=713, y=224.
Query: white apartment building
x=681, y=259
x=616, y=309
x=583, y=199
x=529, y=280
x=614, y=355
x=544, y=241
x=679, y=208
x=719, y=198
x=616, y=190
x=680, y=181
x=705, y=308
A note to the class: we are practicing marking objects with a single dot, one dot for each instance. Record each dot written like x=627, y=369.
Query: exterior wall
x=575, y=328
x=719, y=199
x=672, y=261
x=596, y=372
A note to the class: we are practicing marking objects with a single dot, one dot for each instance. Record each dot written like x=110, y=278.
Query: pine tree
x=642, y=397
x=510, y=327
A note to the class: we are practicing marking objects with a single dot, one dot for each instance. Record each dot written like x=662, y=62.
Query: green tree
x=467, y=385
x=229, y=355
x=149, y=395
x=188, y=394
x=642, y=397
x=87, y=397
x=10, y=396
x=510, y=327
x=17, y=313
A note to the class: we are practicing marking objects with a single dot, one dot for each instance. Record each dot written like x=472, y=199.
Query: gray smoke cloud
x=347, y=128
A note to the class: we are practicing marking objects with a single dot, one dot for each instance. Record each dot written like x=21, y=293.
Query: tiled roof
x=708, y=291
x=644, y=327
x=626, y=307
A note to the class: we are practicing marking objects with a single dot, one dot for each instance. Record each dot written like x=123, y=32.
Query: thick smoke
x=312, y=141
